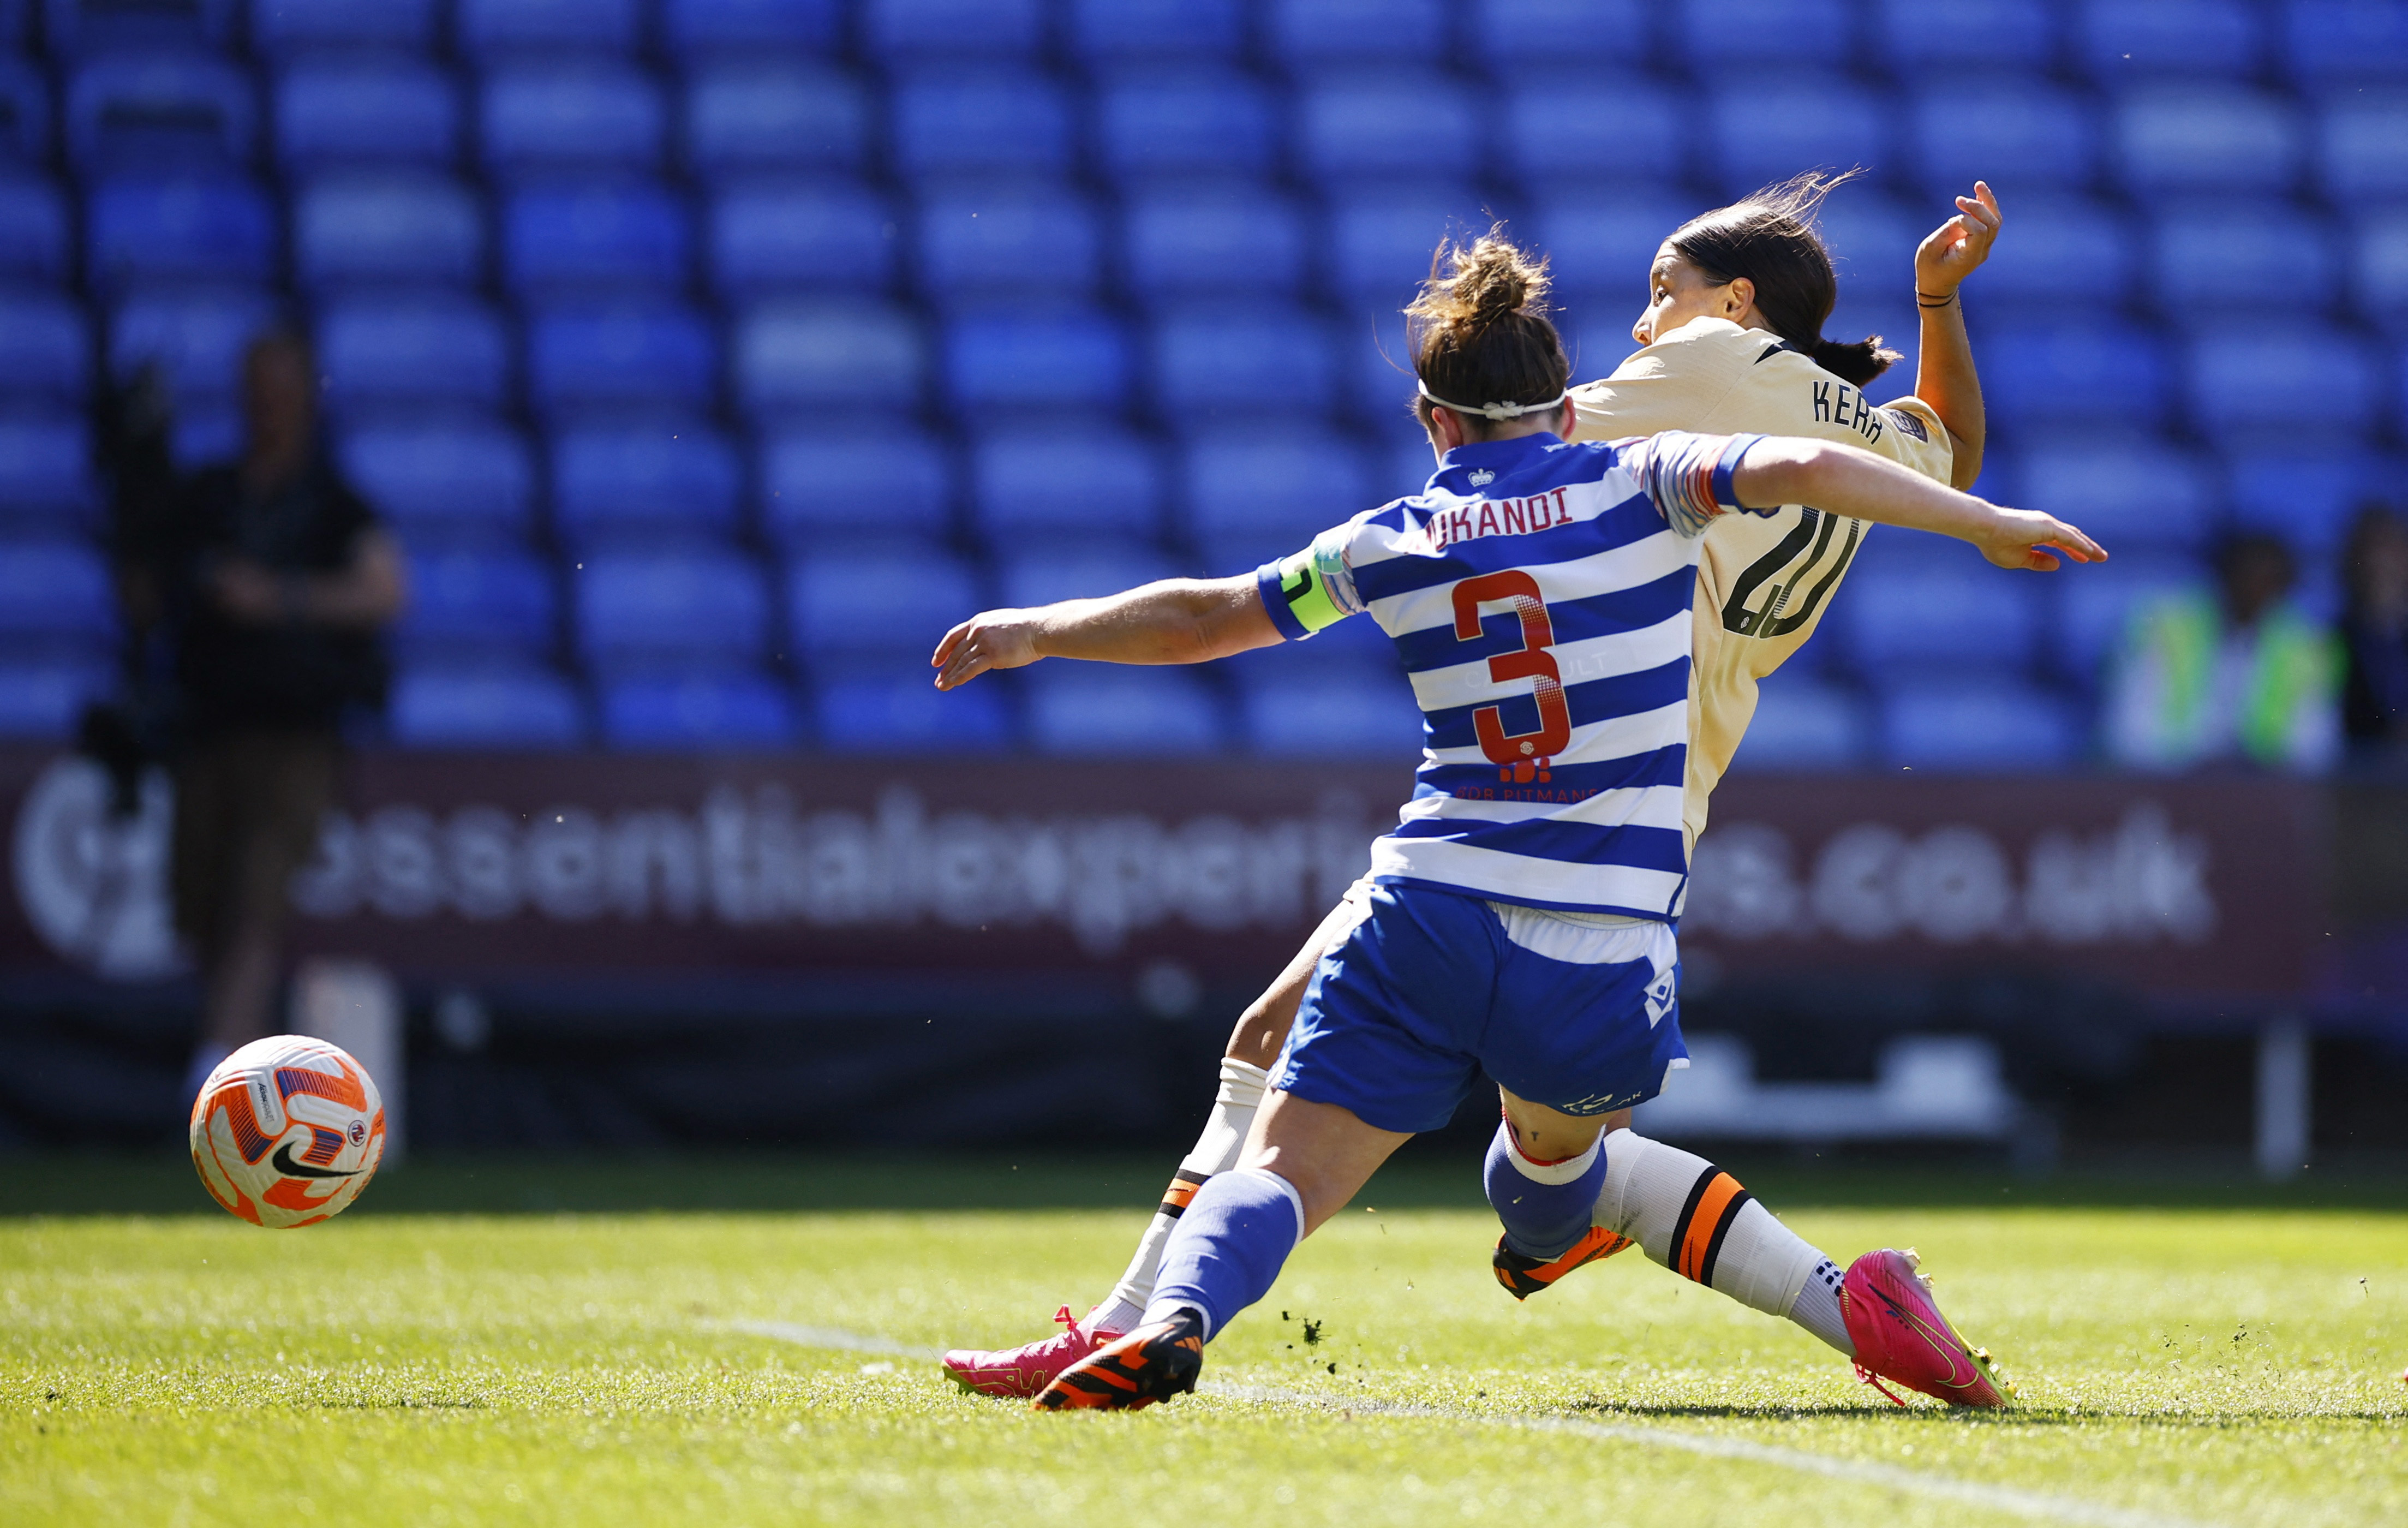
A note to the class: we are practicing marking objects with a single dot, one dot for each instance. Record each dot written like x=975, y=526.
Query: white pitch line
x=2024, y=1504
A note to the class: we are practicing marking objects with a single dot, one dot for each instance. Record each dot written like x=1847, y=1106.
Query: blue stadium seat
x=2134, y=493
x=815, y=235
x=2337, y=41
x=43, y=698
x=594, y=235
x=198, y=336
x=621, y=486
x=1380, y=242
x=1302, y=716
x=1872, y=238
x=154, y=112
x=2206, y=137
x=1114, y=32
x=1953, y=614
x=1000, y=240
x=1101, y=709
x=1262, y=494
x=976, y=122
x=862, y=486
x=1602, y=244
x=199, y=229
x=1762, y=129
x=1729, y=37
x=384, y=352
x=858, y=355
x=2118, y=40
x=694, y=607
x=484, y=708
x=587, y=115
x=81, y=28
x=1804, y=724
x=1176, y=121
x=1025, y=358
x=1217, y=239
x=1077, y=486
x=25, y=112
x=55, y=589
x=1917, y=38
x=2001, y=727
x=2363, y=148
x=407, y=229
x=1617, y=127
x=2100, y=372
x=2306, y=492
x=891, y=708
x=841, y=603
x=904, y=30
x=280, y=28
x=45, y=467
x=45, y=348
x=2301, y=376
x=1045, y=577
x=2066, y=251
x=342, y=111
x=488, y=29
x=768, y=114
x=2239, y=252
x=1314, y=35
x=632, y=354
x=1387, y=125
x=1254, y=358
x=2379, y=268
x=2026, y=135
x=697, y=711
x=1517, y=35
x=2094, y=607
x=749, y=28
x=478, y=601
x=453, y=481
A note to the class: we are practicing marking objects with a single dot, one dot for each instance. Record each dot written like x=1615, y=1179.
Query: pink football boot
x=1020, y=1373
x=1900, y=1336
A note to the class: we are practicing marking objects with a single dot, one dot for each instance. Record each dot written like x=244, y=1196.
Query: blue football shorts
x=1427, y=988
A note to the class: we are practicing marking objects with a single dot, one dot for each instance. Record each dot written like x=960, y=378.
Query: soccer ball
x=287, y=1131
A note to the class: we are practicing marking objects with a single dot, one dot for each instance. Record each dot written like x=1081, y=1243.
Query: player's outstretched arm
x=1178, y=620
x=1944, y=376
x=1844, y=480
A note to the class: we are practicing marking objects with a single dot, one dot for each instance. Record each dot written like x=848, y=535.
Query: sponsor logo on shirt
x=1907, y=422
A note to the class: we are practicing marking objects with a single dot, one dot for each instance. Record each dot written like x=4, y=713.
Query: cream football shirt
x=1764, y=581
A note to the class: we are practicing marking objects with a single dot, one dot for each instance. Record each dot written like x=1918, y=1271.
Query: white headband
x=1494, y=410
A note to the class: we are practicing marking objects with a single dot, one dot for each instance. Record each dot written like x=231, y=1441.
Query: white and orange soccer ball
x=287, y=1131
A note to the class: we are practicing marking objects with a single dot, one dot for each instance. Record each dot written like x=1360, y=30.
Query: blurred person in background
x=2374, y=635
x=2236, y=675
x=270, y=582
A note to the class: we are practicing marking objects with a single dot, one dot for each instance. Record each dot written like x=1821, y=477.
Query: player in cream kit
x=1731, y=342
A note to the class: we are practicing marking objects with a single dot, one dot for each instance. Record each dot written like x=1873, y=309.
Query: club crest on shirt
x=1482, y=478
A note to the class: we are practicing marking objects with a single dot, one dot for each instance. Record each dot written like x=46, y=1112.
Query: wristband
x=1943, y=302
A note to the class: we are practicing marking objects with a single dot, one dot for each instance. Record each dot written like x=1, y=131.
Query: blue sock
x=1545, y=1207
x=1229, y=1247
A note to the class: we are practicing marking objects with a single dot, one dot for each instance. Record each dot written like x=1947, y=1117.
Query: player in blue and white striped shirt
x=1520, y=919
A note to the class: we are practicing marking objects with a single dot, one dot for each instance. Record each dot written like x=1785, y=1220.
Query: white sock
x=1694, y=1219
x=1243, y=1086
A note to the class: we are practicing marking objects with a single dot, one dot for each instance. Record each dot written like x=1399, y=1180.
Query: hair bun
x=1485, y=281
x=1853, y=361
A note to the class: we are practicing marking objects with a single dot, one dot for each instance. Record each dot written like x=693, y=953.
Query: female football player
x=1732, y=340
x=1519, y=920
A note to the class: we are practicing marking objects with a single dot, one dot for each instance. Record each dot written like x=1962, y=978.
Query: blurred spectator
x=2241, y=676
x=2374, y=633
x=275, y=580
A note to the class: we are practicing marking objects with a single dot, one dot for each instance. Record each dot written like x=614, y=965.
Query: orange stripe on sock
x=1717, y=1198
x=1182, y=1189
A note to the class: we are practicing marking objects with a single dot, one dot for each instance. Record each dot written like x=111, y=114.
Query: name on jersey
x=1837, y=403
x=1497, y=517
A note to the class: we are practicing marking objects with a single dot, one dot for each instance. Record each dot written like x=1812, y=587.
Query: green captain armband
x=1299, y=593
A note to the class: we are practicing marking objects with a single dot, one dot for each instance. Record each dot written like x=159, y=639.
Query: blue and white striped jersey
x=1539, y=595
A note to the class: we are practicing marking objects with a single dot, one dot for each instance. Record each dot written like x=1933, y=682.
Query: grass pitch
x=577, y=1366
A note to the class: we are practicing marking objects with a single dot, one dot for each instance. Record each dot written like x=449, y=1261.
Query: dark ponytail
x=1769, y=238
x=1481, y=335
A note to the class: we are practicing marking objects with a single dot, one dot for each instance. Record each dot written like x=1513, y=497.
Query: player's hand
x=1000, y=639
x=2029, y=538
x=1957, y=247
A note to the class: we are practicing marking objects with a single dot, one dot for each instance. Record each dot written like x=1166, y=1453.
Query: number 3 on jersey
x=1519, y=754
